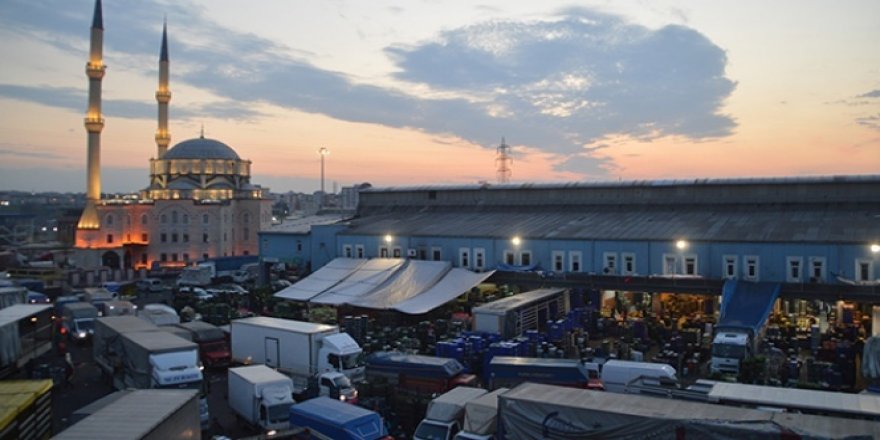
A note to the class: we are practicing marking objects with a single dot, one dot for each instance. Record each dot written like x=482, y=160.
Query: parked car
x=150, y=285
x=231, y=289
x=202, y=295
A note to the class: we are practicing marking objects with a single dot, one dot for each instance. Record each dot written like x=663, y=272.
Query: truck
x=97, y=296
x=419, y=373
x=222, y=268
x=119, y=308
x=135, y=353
x=551, y=412
x=445, y=414
x=745, y=307
x=195, y=276
x=25, y=334
x=159, y=314
x=510, y=371
x=327, y=418
x=26, y=411
x=319, y=359
x=261, y=396
x=248, y=273
x=138, y=414
x=213, y=343
x=618, y=376
x=78, y=321
x=480, y=417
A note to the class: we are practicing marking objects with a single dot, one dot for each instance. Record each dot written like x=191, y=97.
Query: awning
x=409, y=286
x=319, y=281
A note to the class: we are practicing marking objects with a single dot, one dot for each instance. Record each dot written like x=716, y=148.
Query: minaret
x=94, y=122
x=163, y=96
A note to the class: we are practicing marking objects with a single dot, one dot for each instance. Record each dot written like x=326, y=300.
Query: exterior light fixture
x=875, y=248
x=681, y=244
x=388, y=238
x=516, y=241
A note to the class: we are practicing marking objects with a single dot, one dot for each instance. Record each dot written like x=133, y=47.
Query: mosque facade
x=199, y=204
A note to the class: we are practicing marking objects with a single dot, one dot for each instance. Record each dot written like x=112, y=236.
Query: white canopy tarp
x=361, y=282
x=456, y=282
x=409, y=286
x=406, y=283
x=322, y=279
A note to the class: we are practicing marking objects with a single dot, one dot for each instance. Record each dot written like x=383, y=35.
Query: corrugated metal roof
x=837, y=224
x=302, y=225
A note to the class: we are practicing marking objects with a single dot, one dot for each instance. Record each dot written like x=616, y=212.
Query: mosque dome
x=201, y=148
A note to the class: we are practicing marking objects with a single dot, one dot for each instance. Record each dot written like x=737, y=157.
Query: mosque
x=199, y=204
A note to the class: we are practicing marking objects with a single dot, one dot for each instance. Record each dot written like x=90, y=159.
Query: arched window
x=109, y=219
x=185, y=219
x=163, y=219
x=246, y=218
x=144, y=219
x=174, y=217
x=205, y=219
x=128, y=219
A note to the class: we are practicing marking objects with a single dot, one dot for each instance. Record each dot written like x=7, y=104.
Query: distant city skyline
x=408, y=93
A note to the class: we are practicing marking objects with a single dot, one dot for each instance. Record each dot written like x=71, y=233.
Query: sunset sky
x=421, y=92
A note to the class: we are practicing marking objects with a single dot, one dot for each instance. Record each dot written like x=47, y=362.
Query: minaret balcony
x=95, y=70
x=163, y=138
x=94, y=125
x=163, y=96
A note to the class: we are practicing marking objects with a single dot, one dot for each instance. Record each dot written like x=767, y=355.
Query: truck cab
x=78, y=321
x=729, y=349
x=341, y=353
x=337, y=386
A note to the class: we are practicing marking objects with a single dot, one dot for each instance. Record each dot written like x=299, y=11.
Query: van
x=150, y=285
x=617, y=375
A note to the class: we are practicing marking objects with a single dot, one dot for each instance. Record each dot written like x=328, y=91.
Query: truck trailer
x=445, y=414
x=140, y=415
x=418, y=373
x=319, y=358
x=326, y=418
x=25, y=409
x=510, y=371
x=480, y=417
x=25, y=334
x=213, y=343
x=136, y=353
x=745, y=307
x=261, y=396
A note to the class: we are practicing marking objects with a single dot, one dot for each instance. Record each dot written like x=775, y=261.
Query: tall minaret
x=94, y=122
x=163, y=96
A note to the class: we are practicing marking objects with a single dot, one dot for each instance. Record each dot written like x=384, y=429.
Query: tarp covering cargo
x=408, y=286
x=337, y=420
x=395, y=363
x=449, y=406
x=137, y=347
x=203, y=331
x=546, y=411
x=10, y=338
x=746, y=304
x=480, y=414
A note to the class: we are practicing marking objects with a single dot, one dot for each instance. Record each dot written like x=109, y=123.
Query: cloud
x=552, y=85
x=76, y=99
x=31, y=154
x=871, y=94
x=872, y=121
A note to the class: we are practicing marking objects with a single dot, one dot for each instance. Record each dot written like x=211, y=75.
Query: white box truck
x=319, y=359
x=618, y=375
x=78, y=321
x=261, y=396
x=136, y=353
x=445, y=413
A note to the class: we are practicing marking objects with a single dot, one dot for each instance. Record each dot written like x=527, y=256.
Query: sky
x=422, y=92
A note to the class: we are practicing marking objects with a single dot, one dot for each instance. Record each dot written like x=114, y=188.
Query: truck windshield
x=353, y=361
x=728, y=351
x=431, y=431
x=85, y=325
x=279, y=413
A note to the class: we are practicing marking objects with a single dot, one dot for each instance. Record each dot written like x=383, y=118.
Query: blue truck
x=326, y=418
x=422, y=374
x=510, y=371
